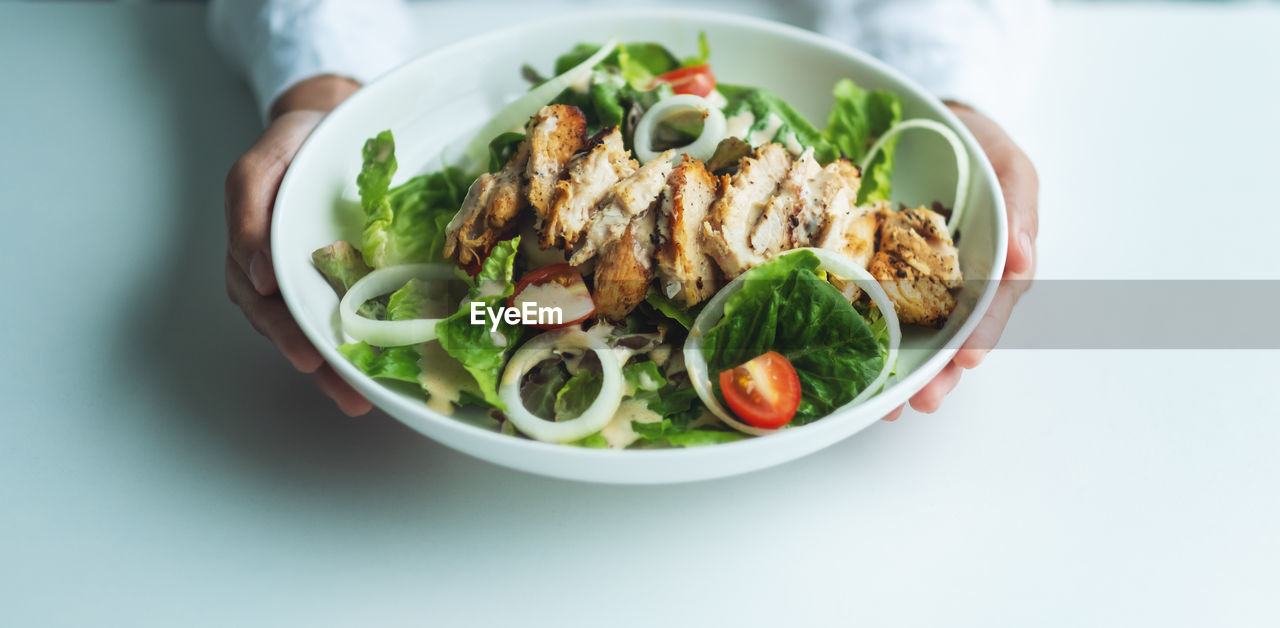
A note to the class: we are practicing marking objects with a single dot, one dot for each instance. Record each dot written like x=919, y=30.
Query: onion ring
x=714, y=127
x=384, y=281
x=593, y=419
x=962, y=160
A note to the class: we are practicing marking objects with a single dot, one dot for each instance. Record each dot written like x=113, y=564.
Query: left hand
x=1021, y=187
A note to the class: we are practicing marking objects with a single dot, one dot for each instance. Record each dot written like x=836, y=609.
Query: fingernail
x=1024, y=241
x=260, y=274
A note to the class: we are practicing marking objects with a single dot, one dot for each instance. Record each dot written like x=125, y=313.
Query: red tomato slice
x=555, y=286
x=764, y=392
x=697, y=80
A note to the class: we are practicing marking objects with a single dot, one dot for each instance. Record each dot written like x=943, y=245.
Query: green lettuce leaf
x=704, y=52
x=541, y=385
x=405, y=224
x=678, y=404
x=785, y=306
x=411, y=301
x=497, y=273
x=667, y=432
x=341, y=265
x=858, y=118
x=398, y=363
x=594, y=441
x=762, y=103
x=484, y=353
x=644, y=376
x=501, y=148
x=578, y=394
x=669, y=309
x=632, y=59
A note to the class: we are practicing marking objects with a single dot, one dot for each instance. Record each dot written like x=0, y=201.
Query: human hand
x=250, y=196
x=1021, y=187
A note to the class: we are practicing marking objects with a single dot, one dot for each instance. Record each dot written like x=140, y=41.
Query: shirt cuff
x=281, y=42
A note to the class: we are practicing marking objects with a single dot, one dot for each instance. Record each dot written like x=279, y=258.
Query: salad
x=634, y=254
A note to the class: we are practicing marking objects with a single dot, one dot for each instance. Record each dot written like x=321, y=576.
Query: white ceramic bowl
x=438, y=98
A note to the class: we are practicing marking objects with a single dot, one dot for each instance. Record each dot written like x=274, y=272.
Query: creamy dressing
x=441, y=376
x=661, y=354
x=618, y=433
x=765, y=134
x=717, y=99
x=740, y=124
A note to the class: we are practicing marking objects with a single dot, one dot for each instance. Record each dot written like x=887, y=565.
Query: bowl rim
x=394, y=404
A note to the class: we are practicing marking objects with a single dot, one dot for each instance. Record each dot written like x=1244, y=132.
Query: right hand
x=250, y=196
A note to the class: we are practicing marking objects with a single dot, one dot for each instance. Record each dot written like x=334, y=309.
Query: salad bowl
x=437, y=102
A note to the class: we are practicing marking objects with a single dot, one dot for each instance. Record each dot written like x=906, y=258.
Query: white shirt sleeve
x=277, y=43
x=983, y=53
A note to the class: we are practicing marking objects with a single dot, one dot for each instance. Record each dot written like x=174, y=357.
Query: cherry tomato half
x=697, y=80
x=764, y=392
x=555, y=286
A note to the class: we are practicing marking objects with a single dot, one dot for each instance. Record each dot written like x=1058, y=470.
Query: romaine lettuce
x=762, y=104
x=577, y=394
x=669, y=433
x=405, y=224
x=857, y=119
x=784, y=306
x=399, y=363
x=483, y=352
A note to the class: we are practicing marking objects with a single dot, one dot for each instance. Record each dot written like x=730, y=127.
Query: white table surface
x=161, y=465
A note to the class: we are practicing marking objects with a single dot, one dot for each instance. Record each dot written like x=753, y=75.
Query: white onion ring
x=714, y=127
x=962, y=160
x=696, y=363
x=521, y=109
x=593, y=419
x=384, y=281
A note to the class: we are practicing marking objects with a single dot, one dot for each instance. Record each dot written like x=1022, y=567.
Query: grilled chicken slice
x=852, y=233
x=507, y=200
x=590, y=176
x=734, y=215
x=831, y=195
x=918, y=265
x=627, y=199
x=772, y=234
x=489, y=210
x=624, y=269
x=686, y=274
x=468, y=237
x=555, y=134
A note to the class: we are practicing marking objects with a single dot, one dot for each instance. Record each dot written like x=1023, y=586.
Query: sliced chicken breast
x=772, y=234
x=831, y=194
x=624, y=269
x=492, y=205
x=468, y=237
x=555, y=134
x=589, y=177
x=627, y=199
x=918, y=265
x=508, y=186
x=734, y=215
x=686, y=273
